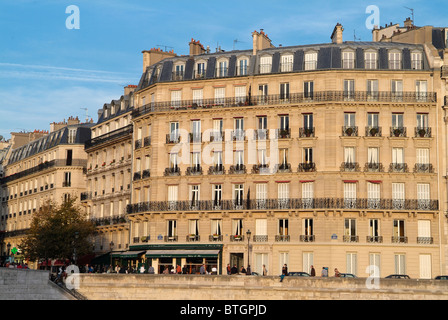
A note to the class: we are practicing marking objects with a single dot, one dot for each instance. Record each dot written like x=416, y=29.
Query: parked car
x=347, y=275
x=398, y=276
x=299, y=274
x=441, y=278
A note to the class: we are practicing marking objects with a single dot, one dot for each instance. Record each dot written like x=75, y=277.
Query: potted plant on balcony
x=308, y=132
x=397, y=132
x=422, y=133
x=373, y=132
x=349, y=132
x=237, y=237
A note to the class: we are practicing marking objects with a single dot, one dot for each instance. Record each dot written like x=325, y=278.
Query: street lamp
x=111, y=244
x=248, y=233
x=74, y=246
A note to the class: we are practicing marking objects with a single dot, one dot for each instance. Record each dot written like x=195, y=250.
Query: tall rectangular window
x=349, y=89
x=308, y=89
x=220, y=95
x=370, y=59
x=352, y=263
x=176, y=98
x=286, y=63
x=284, y=91
x=198, y=95
x=400, y=263
x=240, y=94
x=397, y=90
x=421, y=90
x=266, y=64
x=398, y=195
x=348, y=60
x=310, y=61
x=416, y=61
x=394, y=60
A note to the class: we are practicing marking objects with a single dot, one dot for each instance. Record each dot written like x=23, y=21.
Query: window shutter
x=276, y=62
x=406, y=59
x=360, y=63
x=232, y=66
x=298, y=60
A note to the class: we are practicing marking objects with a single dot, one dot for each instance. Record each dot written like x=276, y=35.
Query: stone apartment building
x=51, y=167
x=330, y=155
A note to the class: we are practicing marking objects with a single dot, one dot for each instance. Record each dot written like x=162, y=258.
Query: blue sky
x=49, y=73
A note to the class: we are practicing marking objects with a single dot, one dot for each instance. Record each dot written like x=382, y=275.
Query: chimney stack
x=196, y=48
x=336, y=36
x=261, y=41
x=155, y=55
x=408, y=23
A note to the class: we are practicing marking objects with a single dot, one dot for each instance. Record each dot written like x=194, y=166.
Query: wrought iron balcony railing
x=216, y=170
x=307, y=167
x=282, y=238
x=194, y=171
x=350, y=167
x=283, y=133
x=147, y=142
x=252, y=100
x=117, y=134
x=399, y=239
x=425, y=240
x=350, y=238
x=373, y=131
x=261, y=134
x=423, y=132
x=349, y=131
x=307, y=132
x=423, y=168
x=172, y=138
x=374, y=239
x=238, y=169
x=307, y=238
x=399, y=167
x=173, y=171
x=373, y=167
x=398, y=132
x=290, y=204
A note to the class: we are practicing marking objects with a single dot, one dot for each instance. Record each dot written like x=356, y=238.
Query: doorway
x=237, y=259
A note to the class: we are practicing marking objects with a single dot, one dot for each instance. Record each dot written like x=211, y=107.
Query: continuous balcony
x=253, y=100
x=125, y=132
x=285, y=204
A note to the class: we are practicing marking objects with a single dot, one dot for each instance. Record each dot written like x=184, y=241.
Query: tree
x=57, y=231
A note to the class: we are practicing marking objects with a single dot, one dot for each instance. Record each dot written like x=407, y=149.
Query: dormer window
x=416, y=61
x=222, y=69
x=266, y=64
x=200, y=69
x=286, y=63
x=178, y=73
x=242, y=66
x=394, y=60
x=311, y=61
x=371, y=60
x=348, y=60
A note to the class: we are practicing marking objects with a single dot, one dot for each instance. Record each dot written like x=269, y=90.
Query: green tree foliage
x=56, y=231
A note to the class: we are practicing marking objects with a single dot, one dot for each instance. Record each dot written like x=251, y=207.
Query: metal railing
x=122, y=132
x=284, y=204
x=253, y=100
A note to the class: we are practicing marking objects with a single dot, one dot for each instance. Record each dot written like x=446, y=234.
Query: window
x=416, y=61
x=398, y=195
x=349, y=155
x=216, y=227
x=397, y=155
x=421, y=90
x=308, y=121
x=200, y=70
x=422, y=120
x=423, y=195
x=283, y=159
x=261, y=195
x=217, y=196
x=220, y=95
x=263, y=93
x=373, y=155
x=398, y=235
x=238, y=195
x=308, y=231
x=194, y=196
x=286, y=63
x=424, y=232
x=172, y=197
x=242, y=67
x=237, y=227
x=348, y=60
x=174, y=131
x=176, y=98
x=283, y=195
x=193, y=227
x=349, y=89
x=374, y=230
x=310, y=61
x=350, y=230
x=400, y=263
x=262, y=127
x=283, y=227
x=239, y=159
x=307, y=194
x=179, y=72
x=397, y=120
x=265, y=64
x=375, y=260
x=284, y=123
x=238, y=126
x=284, y=91
x=372, y=89
x=173, y=161
x=373, y=195
x=308, y=155
x=222, y=70
x=422, y=156
x=394, y=60
x=262, y=158
x=217, y=133
x=195, y=131
x=370, y=59
x=171, y=229
x=308, y=89
x=240, y=94
x=67, y=179
x=261, y=229
x=197, y=97
x=349, y=119
x=350, y=195
x=352, y=263
x=397, y=90
x=373, y=120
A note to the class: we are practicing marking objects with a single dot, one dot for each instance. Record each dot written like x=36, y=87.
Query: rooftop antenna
x=165, y=46
x=412, y=13
x=235, y=42
x=87, y=115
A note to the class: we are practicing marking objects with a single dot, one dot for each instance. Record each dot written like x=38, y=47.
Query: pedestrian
x=324, y=272
x=151, y=270
x=337, y=274
x=312, y=272
x=248, y=271
x=202, y=269
x=265, y=271
x=142, y=269
x=166, y=270
x=243, y=270
x=229, y=269
x=179, y=269
x=234, y=269
x=284, y=272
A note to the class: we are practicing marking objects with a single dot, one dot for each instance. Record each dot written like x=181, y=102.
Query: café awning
x=127, y=254
x=182, y=253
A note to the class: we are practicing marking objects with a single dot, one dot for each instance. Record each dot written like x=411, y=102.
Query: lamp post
x=74, y=246
x=8, y=246
x=111, y=244
x=248, y=233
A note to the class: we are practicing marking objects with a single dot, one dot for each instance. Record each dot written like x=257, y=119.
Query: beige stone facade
x=340, y=164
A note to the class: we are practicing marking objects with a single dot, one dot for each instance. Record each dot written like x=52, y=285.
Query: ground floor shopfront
x=168, y=258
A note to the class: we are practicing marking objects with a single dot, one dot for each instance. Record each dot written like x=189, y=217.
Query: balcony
x=399, y=239
x=398, y=168
x=260, y=238
x=423, y=132
x=170, y=172
x=138, y=144
x=117, y=134
x=221, y=72
x=216, y=170
x=199, y=74
x=423, y=168
x=373, y=167
x=261, y=134
x=146, y=174
x=349, y=131
x=307, y=167
x=307, y=238
x=350, y=238
x=217, y=136
x=307, y=132
x=374, y=239
x=147, y=142
x=236, y=238
x=172, y=138
x=398, y=132
x=283, y=133
x=215, y=238
x=323, y=96
x=282, y=238
x=170, y=238
x=350, y=167
x=193, y=238
x=238, y=135
x=137, y=176
x=283, y=168
x=195, y=170
x=260, y=169
x=291, y=203
x=238, y=169
x=178, y=76
x=195, y=137
x=373, y=132
x=425, y=240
